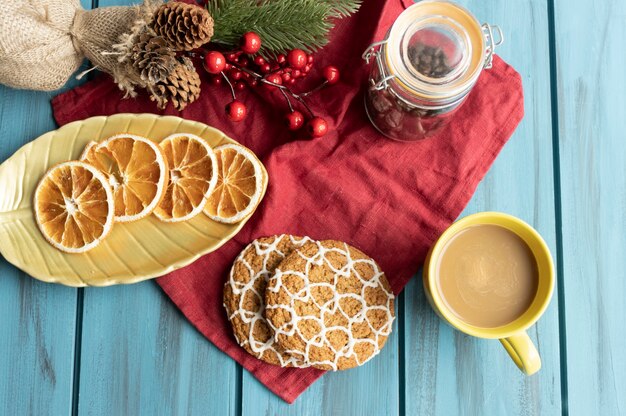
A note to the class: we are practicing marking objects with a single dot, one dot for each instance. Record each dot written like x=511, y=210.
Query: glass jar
x=425, y=68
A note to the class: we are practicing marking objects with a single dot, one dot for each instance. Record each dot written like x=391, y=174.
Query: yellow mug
x=513, y=336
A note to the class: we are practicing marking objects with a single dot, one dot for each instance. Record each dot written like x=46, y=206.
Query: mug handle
x=523, y=352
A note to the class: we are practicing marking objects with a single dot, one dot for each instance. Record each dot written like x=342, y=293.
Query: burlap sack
x=36, y=49
x=43, y=42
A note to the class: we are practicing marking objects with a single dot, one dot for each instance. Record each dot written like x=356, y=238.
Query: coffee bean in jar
x=429, y=60
x=425, y=68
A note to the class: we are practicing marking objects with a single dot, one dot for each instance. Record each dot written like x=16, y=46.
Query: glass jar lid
x=435, y=50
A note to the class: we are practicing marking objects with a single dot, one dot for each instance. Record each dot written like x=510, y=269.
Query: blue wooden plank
x=372, y=389
x=37, y=320
x=36, y=342
x=590, y=39
x=141, y=356
x=446, y=371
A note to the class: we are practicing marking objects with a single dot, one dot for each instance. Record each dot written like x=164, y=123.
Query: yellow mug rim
x=536, y=245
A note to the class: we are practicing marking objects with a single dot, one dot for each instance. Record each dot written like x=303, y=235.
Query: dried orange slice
x=136, y=170
x=193, y=176
x=239, y=184
x=73, y=206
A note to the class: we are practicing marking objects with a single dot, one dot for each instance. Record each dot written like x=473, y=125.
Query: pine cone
x=181, y=87
x=153, y=59
x=184, y=26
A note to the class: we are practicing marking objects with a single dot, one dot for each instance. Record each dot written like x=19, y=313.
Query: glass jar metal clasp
x=373, y=51
x=491, y=43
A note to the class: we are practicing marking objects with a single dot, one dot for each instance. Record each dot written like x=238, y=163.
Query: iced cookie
x=329, y=305
x=244, y=296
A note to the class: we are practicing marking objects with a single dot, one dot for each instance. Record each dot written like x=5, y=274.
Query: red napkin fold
x=389, y=199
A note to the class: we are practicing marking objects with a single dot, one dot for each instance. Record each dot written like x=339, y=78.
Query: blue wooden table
x=128, y=351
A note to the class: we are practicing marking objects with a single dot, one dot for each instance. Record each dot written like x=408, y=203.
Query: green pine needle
x=344, y=8
x=281, y=24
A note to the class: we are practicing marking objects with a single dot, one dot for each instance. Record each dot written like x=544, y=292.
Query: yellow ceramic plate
x=132, y=252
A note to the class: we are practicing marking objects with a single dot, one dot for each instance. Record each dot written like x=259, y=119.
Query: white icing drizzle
x=263, y=250
x=290, y=328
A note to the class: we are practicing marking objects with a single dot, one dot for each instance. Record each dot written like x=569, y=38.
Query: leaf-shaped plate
x=132, y=252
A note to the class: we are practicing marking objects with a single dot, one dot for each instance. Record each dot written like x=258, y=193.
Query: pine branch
x=344, y=8
x=281, y=24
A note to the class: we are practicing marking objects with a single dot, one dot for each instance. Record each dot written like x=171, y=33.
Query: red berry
x=296, y=73
x=250, y=42
x=275, y=78
x=294, y=120
x=309, y=59
x=292, y=81
x=274, y=67
x=331, y=74
x=307, y=68
x=265, y=68
x=227, y=66
x=231, y=57
x=236, y=110
x=216, y=80
x=252, y=82
x=243, y=61
x=286, y=77
x=234, y=74
x=281, y=59
x=317, y=127
x=240, y=85
x=214, y=62
x=258, y=60
x=297, y=58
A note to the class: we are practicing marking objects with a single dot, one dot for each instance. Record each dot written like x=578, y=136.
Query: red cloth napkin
x=390, y=199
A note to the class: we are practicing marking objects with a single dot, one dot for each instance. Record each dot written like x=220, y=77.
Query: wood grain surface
x=591, y=95
x=127, y=350
x=37, y=320
x=447, y=372
x=139, y=355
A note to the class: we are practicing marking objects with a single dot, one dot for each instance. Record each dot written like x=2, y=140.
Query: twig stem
x=232, y=90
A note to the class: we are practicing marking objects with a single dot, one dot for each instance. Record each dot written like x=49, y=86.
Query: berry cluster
x=247, y=68
x=284, y=70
